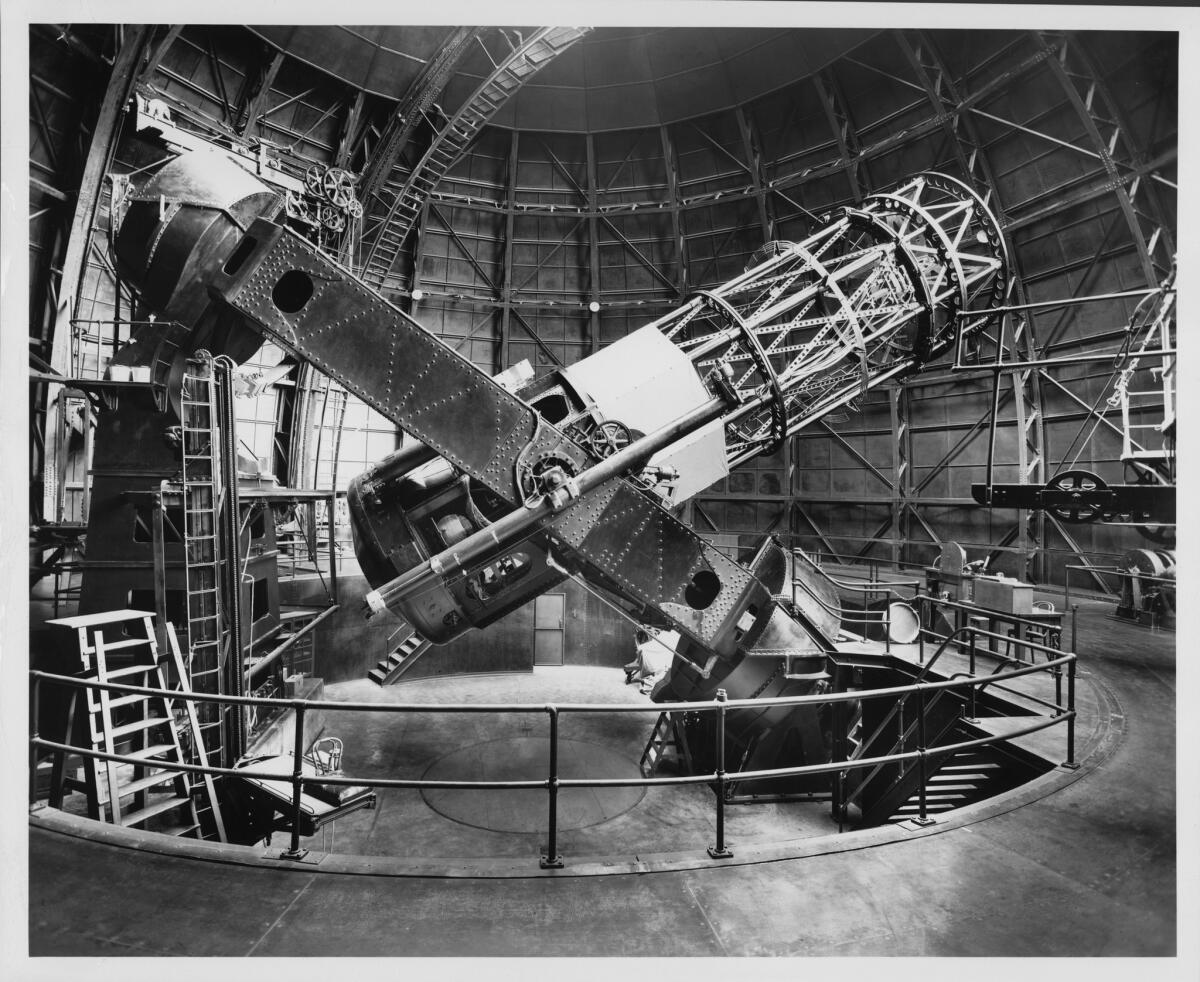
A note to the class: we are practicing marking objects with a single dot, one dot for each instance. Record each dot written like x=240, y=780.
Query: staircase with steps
x=400, y=660
x=881, y=790
x=966, y=777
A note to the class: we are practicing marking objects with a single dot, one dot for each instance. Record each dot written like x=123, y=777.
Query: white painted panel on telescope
x=646, y=382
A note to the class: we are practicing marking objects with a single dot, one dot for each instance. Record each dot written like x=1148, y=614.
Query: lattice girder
x=873, y=293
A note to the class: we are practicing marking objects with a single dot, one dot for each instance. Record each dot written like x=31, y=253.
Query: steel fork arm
x=314, y=308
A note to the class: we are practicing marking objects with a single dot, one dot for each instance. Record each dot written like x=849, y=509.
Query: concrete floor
x=619, y=823
x=1087, y=870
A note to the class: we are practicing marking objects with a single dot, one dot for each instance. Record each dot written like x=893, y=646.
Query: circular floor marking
x=527, y=759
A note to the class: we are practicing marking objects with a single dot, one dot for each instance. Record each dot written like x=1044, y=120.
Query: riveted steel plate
x=394, y=365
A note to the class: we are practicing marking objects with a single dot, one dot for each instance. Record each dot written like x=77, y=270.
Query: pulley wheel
x=312, y=179
x=1163, y=535
x=609, y=437
x=1079, y=484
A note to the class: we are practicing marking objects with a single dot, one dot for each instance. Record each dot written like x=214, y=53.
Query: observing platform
x=1048, y=855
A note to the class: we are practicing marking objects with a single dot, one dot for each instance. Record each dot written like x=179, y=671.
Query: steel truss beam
x=824, y=320
x=852, y=156
x=413, y=106
x=1069, y=67
x=750, y=146
x=671, y=166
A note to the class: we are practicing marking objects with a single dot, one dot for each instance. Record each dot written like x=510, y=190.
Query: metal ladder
x=1145, y=394
x=210, y=640
x=448, y=144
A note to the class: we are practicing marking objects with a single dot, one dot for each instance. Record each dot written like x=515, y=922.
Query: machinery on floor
x=1147, y=587
x=513, y=483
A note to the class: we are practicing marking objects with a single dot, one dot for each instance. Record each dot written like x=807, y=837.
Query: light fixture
x=594, y=306
x=418, y=294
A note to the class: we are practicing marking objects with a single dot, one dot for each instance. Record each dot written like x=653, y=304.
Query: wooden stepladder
x=666, y=743
x=119, y=647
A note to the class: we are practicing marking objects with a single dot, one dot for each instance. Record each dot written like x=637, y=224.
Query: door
x=548, y=628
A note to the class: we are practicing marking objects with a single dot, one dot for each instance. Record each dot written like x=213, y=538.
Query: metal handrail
x=872, y=586
x=721, y=705
x=998, y=615
x=920, y=686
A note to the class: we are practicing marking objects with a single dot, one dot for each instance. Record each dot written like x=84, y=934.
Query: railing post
x=840, y=799
x=551, y=859
x=36, y=691
x=1075, y=629
x=924, y=622
x=294, y=851
x=1058, y=674
x=922, y=818
x=1067, y=595
x=1071, y=762
x=720, y=851
x=972, y=648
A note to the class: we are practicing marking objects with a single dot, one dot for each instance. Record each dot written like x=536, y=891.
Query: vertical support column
x=1030, y=462
x=593, y=206
x=509, y=226
x=332, y=526
x=843, y=132
x=945, y=101
x=754, y=166
x=418, y=255
x=683, y=285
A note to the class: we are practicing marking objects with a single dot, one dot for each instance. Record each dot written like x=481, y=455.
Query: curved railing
x=872, y=585
x=1056, y=662
x=848, y=616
